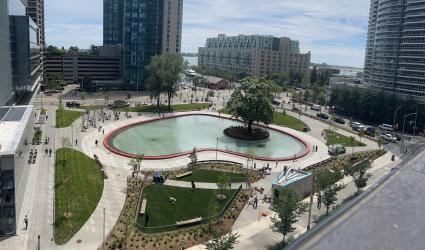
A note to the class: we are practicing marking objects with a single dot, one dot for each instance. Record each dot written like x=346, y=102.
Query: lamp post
x=404, y=122
x=216, y=150
x=395, y=115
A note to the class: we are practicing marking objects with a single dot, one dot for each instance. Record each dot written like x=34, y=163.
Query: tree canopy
x=252, y=102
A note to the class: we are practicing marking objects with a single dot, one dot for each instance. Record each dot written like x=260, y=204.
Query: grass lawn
x=188, y=206
x=164, y=108
x=289, y=121
x=64, y=118
x=280, y=119
x=336, y=138
x=81, y=192
x=211, y=176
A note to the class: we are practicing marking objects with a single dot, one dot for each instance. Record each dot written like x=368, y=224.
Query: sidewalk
x=199, y=185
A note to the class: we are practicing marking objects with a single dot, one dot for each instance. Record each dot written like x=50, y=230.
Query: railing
x=165, y=228
x=215, y=162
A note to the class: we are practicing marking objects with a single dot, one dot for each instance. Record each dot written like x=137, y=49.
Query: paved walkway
x=199, y=185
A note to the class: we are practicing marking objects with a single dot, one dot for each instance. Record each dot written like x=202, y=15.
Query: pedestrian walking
x=76, y=142
x=46, y=151
x=193, y=186
x=103, y=131
x=50, y=152
x=96, y=142
x=255, y=202
x=26, y=222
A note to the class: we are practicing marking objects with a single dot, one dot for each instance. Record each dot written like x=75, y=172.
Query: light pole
x=404, y=122
x=216, y=150
x=395, y=115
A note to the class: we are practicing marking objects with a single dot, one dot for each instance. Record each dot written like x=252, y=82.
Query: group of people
x=48, y=152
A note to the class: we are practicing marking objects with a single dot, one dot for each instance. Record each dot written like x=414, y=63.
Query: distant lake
x=193, y=61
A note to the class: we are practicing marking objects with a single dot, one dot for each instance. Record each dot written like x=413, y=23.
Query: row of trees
x=319, y=78
x=326, y=185
x=164, y=74
x=376, y=107
x=55, y=51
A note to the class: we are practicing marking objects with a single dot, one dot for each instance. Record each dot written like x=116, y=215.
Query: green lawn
x=64, y=118
x=188, y=206
x=211, y=176
x=286, y=120
x=336, y=138
x=164, y=108
x=78, y=186
x=289, y=121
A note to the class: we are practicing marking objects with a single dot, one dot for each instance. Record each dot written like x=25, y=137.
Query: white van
x=315, y=107
x=386, y=127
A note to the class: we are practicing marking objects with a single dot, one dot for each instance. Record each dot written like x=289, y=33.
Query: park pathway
x=199, y=185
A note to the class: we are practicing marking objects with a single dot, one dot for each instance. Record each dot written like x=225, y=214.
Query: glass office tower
x=113, y=11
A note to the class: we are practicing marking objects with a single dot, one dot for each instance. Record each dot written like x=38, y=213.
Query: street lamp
x=216, y=150
x=395, y=115
x=404, y=122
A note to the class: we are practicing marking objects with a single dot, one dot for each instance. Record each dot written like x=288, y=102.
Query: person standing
x=255, y=202
x=26, y=222
x=50, y=152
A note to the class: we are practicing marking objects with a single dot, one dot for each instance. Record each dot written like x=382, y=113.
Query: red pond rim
x=111, y=135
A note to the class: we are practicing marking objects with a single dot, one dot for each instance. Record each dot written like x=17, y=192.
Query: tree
x=155, y=79
x=223, y=184
x=128, y=96
x=193, y=156
x=87, y=84
x=378, y=137
x=252, y=102
x=136, y=164
x=329, y=186
x=361, y=134
x=359, y=173
x=313, y=78
x=83, y=96
x=352, y=143
x=288, y=206
x=172, y=67
x=224, y=242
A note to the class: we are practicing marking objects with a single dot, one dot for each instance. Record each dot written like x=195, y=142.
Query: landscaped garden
x=189, y=204
x=333, y=137
x=64, y=118
x=164, y=108
x=212, y=176
x=78, y=189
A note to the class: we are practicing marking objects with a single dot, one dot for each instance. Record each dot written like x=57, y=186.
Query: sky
x=334, y=31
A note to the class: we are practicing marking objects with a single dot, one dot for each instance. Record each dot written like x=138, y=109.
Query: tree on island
x=359, y=174
x=222, y=242
x=252, y=102
x=155, y=81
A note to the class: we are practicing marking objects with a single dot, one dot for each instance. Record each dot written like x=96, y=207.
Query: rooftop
x=289, y=176
x=12, y=126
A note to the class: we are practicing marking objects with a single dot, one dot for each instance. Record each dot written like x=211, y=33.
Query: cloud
x=333, y=30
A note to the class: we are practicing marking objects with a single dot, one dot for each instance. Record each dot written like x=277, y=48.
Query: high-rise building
x=395, y=50
x=35, y=10
x=5, y=60
x=253, y=55
x=145, y=28
x=16, y=122
x=113, y=11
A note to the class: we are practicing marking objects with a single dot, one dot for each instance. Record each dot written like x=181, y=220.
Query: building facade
x=6, y=92
x=395, y=51
x=145, y=28
x=253, y=55
x=104, y=67
x=19, y=67
x=113, y=11
x=35, y=10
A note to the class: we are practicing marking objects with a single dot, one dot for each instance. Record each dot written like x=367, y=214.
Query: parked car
x=322, y=116
x=118, y=104
x=336, y=149
x=397, y=137
x=386, y=127
x=389, y=138
x=356, y=126
x=339, y=120
x=315, y=107
x=276, y=103
x=371, y=131
x=73, y=104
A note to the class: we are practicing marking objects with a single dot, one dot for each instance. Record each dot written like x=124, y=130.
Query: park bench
x=189, y=222
x=184, y=175
x=143, y=206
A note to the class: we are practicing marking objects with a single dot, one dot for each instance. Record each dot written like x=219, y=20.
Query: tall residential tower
x=145, y=28
x=395, y=50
